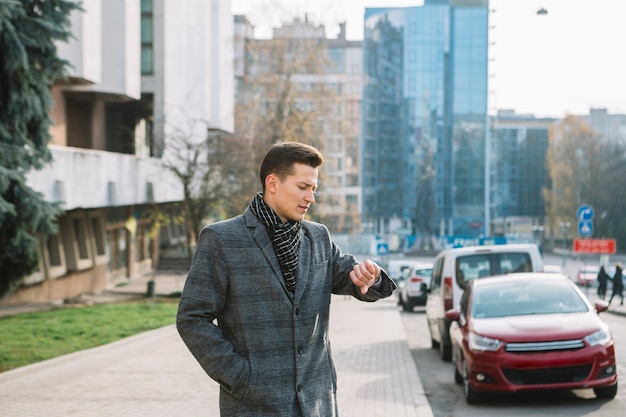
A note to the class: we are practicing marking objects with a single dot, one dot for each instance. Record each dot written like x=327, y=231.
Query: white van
x=454, y=267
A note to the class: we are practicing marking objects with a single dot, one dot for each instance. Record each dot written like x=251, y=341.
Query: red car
x=528, y=332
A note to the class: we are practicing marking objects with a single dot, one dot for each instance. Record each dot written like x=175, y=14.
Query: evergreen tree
x=28, y=67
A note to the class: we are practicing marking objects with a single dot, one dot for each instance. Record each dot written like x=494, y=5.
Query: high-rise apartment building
x=424, y=118
x=612, y=127
x=311, y=86
x=139, y=70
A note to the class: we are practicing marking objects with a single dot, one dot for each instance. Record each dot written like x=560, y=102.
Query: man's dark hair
x=281, y=156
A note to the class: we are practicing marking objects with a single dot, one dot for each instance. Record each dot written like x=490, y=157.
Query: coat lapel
x=304, y=262
x=264, y=242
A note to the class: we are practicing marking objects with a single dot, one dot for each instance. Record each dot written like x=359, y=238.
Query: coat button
x=299, y=387
x=300, y=350
x=297, y=311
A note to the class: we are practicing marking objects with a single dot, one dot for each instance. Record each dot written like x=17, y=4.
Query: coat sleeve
x=202, y=299
x=342, y=284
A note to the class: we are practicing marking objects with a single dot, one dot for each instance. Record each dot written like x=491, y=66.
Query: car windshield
x=481, y=265
x=524, y=298
x=424, y=272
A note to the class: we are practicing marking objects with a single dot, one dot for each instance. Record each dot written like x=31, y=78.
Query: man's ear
x=270, y=183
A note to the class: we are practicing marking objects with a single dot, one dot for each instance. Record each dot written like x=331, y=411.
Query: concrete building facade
x=138, y=70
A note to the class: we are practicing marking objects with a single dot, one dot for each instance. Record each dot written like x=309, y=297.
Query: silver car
x=416, y=285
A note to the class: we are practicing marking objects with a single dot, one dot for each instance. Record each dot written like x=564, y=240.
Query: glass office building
x=424, y=117
x=519, y=143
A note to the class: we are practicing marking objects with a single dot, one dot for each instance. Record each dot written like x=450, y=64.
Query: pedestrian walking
x=255, y=307
x=603, y=279
x=618, y=285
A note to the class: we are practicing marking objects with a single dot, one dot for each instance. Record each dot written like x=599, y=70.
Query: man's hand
x=365, y=274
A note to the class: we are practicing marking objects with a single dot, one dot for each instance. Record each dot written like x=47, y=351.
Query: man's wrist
x=377, y=282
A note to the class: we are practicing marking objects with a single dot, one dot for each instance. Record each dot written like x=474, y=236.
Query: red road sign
x=594, y=246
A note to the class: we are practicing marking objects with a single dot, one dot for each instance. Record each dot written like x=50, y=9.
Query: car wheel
x=433, y=343
x=445, y=351
x=606, y=392
x=458, y=377
x=471, y=396
x=407, y=305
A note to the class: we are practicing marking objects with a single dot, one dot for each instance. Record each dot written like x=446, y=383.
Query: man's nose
x=310, y=197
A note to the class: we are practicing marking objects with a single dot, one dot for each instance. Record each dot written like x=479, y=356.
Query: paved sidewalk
x=614, y=308
x=153, y=374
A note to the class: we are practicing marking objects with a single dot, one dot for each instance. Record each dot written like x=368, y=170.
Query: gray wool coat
x=269, y=352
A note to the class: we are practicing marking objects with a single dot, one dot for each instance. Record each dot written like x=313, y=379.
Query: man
x=255, y=308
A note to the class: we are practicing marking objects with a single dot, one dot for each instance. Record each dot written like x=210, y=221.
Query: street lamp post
x=537, y=231
x=564, y=229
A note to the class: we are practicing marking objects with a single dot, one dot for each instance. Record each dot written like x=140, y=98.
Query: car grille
x=544, y=346
x=547, y=375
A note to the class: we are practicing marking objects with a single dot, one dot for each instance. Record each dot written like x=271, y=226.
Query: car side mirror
x=453, y=314
x=601, y=306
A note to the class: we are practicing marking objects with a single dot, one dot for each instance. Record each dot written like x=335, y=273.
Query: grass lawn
x=33, y=337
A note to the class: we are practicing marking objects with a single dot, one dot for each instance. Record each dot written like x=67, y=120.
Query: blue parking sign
x=585, y=228
x=382, y=249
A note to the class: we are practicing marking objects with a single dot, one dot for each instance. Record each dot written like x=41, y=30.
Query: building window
x=76, y=242
x=336, y=56
x=54, y=252
x=80, y=238
x=118, y=261
x=98, y=238
x=37, y=276
x=54, y=256
x=147, y=38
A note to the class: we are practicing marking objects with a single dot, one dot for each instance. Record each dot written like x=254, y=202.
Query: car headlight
x=482, y=343
x=601, y=337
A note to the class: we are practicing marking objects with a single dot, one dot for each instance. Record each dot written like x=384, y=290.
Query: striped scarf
x=285, y=239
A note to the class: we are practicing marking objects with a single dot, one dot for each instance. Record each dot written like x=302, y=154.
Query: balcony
x=85, y=178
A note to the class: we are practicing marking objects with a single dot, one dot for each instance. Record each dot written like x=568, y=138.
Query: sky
x=564, y=62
